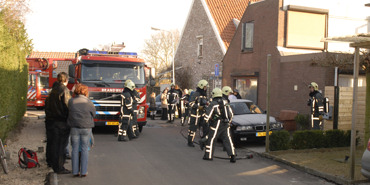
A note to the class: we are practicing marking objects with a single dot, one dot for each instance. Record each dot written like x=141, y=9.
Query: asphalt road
x=160, y=156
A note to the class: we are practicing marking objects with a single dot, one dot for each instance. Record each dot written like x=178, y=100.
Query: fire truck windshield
x=110, y=73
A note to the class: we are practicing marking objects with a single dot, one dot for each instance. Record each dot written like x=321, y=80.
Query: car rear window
x=240, y=108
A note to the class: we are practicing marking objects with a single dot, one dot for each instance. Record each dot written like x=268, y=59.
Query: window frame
x=245, y=31
x=200, y=48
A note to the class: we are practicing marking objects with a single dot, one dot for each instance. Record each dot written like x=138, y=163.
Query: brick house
x=205, y=38
x=291, y=32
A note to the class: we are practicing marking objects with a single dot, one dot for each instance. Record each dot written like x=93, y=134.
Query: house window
x=247, y=87
x=306, y=27
x=200, y=46
x=247, y=38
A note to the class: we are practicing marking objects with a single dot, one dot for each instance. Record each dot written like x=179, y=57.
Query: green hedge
x=279, y=140
x=310, y=139
x=14, y=46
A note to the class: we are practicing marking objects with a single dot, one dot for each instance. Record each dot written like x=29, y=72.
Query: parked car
x=249, y=122
x=157, y=105
x=365, y=161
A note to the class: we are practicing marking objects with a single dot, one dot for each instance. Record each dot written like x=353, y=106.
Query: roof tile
x=223, y=12
x=66, y=55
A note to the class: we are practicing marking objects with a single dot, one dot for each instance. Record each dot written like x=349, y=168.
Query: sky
x=70, y=25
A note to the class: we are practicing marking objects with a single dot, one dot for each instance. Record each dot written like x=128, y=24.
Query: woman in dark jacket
x=80, y=118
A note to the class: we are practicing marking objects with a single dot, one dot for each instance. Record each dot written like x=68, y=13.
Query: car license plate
x=261, y=134
x=111, y=123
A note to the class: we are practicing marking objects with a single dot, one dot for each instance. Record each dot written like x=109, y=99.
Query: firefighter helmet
x=226, y=90
x=202, y=84
x=314, y=85
x=130, y=85
x=126, y=82
x=172, y=85
x=216, y=92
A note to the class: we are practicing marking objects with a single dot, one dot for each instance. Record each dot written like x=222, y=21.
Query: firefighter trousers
x=219, y=130
x=171, y=112
x=195, y=122
x=316, y=123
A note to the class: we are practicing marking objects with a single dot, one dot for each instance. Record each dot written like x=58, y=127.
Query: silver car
x=249, y=122
x=365, y=161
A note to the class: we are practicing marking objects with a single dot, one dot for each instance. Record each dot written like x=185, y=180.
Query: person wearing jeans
x=81, y=120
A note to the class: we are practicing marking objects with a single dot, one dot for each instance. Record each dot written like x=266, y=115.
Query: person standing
x=316, y=103
x=184, y=103
x=81, y=120
x=197, y=103
x=226, y=91
x=134, y=127
x=178, y=103
x=219, y=115
x=236, y=94
x=56, y=112
x=152, y=106
x=172, y=97
x=126, y=112
x=164, y=104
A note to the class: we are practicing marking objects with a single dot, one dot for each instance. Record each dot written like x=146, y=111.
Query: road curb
x=328, y=177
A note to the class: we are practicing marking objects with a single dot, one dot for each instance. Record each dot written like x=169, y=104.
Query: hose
x=248, y=156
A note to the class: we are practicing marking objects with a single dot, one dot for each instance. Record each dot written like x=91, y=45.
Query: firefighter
x=316, y=103
x=126, y=113
x=134, y=127
x=218, y=115
x=226, y=91
x=172, y=97
x=196, y=104
x=184, y=103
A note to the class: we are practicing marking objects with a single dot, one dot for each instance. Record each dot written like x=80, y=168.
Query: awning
x=360, y=40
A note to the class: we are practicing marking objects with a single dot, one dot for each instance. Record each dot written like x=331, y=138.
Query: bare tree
x=159, y=49
x=14, y=10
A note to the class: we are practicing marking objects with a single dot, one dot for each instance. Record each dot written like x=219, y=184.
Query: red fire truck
x=105, y=73
x=42, y=73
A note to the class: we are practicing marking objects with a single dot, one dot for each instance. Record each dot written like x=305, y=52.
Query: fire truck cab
x=105, y=73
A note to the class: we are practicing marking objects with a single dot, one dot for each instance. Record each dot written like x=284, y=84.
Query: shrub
x=279, y=140
x=308, y=139
x=303, y=121
x=336, y=138
x=14, y=47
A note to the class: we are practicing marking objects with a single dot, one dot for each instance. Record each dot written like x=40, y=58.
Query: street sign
x=216, y=70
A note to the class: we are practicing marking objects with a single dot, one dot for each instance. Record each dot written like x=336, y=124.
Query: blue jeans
x=80, y=143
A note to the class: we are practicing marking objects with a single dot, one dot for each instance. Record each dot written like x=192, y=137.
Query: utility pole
x=268, y=103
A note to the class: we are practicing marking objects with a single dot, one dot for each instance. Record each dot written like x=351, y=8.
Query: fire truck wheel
x=140, y=128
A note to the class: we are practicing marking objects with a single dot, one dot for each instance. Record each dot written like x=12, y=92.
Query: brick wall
x=186, y=54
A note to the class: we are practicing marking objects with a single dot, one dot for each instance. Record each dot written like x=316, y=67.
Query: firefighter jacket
x=172, y=96
x=56, y=104
x=316, y=102
x=198, y=101
x=126, y=104
x=219, y=109
x=135, y=98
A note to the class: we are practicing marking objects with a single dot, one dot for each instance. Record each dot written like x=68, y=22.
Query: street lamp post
x=173, y=51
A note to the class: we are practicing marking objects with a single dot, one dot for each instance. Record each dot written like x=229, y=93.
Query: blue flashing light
x=38, y=71
x=114, y=53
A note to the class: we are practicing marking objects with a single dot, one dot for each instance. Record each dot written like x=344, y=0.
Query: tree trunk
x=367, y=112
